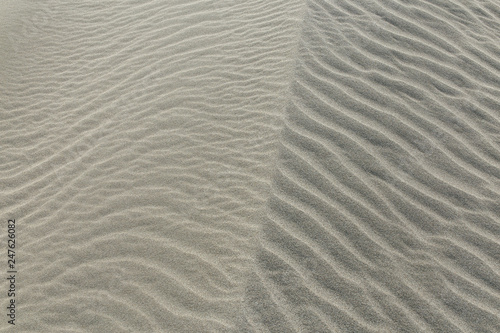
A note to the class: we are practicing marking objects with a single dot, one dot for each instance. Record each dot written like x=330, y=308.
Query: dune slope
x=385, y=207
x=137, y=140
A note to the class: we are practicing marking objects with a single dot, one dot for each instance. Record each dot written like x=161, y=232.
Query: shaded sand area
x=385, y=212
x=137, y=139
x=259, y=166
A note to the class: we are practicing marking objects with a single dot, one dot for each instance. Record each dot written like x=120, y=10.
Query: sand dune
x=229, y=166
x=385, y=207
x=137, y=141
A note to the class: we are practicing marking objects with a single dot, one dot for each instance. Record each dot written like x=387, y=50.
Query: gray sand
x=224, y=166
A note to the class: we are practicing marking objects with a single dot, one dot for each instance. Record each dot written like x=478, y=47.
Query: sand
x=259, y=166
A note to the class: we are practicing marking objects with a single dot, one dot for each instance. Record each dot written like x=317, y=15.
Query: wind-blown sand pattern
x=385, y=213
x=137, y=141
x=257, y=166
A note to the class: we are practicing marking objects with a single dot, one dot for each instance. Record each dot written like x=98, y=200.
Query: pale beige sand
x=262, y=166
x=10, y=23
x=137, y=139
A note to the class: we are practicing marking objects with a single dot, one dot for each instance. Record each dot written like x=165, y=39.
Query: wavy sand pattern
x=136, y=146
x=385, y=213
x=253, y=166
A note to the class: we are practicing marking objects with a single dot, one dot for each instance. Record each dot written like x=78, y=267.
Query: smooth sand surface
x=259, y=166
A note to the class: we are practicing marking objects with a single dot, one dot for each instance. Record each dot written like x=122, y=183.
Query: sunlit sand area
x=258, y=166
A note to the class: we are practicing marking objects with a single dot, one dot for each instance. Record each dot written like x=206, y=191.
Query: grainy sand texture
x=251, y=166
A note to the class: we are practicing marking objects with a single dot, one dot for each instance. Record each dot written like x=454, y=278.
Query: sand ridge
x=258, y=166
x=137, y=140
x=385, y=206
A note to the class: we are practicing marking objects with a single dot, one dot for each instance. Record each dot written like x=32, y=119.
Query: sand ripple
x=386, y=200
x=137, y=139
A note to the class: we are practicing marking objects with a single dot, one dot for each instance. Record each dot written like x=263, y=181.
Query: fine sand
x=251, y=166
